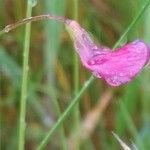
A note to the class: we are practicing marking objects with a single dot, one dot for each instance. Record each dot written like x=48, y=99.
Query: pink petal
x=82, y=42
x=122, y=65
x=116, y=67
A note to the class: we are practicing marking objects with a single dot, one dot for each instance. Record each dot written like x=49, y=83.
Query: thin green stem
x=89, y=81
x=65, y=114
x=76, y=112
x=145, y=101
x=132, y=23
x=22, y=123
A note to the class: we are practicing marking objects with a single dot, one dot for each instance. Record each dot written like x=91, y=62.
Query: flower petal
x=82, y=42
x=116, y=67
x=122, y=65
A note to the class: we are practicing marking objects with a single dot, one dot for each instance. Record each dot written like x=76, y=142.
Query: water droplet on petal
x=121, y=74
x=96, y=74
x=94, y=47
x=86, y=38
x=114, y=81
x=91, y=62
x=136, y=41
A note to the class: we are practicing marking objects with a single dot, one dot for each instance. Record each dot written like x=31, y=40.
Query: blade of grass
x=145, y=103
x=130, y=101
x=65, y=114
x=131, y=126
x=124, y=145
x=9, y=66
x=146, y=75
x=89, y=81
x=76, y=112
x=1, y=129
x=52, y=44
x=22, y=123
x=132, y=23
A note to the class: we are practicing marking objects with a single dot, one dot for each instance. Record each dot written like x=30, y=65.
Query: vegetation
x=48, y=100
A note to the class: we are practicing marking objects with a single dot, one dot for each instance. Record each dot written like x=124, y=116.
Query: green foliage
x=52, y=77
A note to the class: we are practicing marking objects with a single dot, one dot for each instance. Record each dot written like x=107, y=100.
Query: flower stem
x=22, y=123
x=140, y=13
x=33, y=19
x=88, y=83
x=65, y=114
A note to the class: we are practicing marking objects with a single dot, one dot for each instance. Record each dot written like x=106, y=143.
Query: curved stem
x=33, y=19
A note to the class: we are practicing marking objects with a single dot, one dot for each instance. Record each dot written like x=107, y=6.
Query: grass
x=64, y=115
x=76, y=80
x=52, y=43
x=76, y=99
x=52, y=117
x=22, y=122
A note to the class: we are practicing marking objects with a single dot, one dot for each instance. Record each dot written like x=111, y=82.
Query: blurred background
x=51, y=81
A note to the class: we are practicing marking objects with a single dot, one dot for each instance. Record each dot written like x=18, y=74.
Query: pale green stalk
x=89, y=81
x=145, y=78
x=76, y=112
x=22, y=123
x=52, y=44
x=132, y=23
x=65, y=114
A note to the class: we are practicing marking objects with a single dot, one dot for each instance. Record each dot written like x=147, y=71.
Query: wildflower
x=116, y=67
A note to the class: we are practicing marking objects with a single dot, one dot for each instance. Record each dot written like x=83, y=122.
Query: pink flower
x=116, y=67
